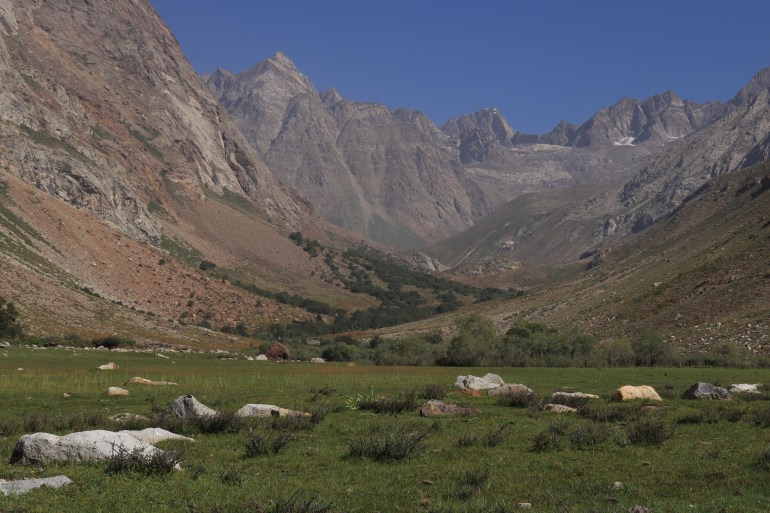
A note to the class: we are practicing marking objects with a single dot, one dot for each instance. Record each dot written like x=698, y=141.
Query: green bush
x=476, y=343
x=410, y=349
x=651, y=349
x=112, y=342
x=9, y=322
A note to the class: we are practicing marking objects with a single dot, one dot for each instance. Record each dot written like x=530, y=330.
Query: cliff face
x=100, y=109
x=391, y=176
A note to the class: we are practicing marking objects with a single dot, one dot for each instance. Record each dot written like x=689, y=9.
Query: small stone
x=143, y=381
x=559, y=408
x=427, y=482
x=617, y=485
x=639, y=509
x=66, y=395
x=524, y=505
x=317, y=360
x=108, y=366
x=23, y=486
x=261, y=358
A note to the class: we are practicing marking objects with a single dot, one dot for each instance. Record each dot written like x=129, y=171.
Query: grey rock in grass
x=559, y=408
x=435, y=408
x=470, y=382
x=4, y=345
x=113, y=391
x=108, y=366
x=745, y=388
x=703, y=390
x=556, y=397
x=187, y=406
x=83, y=446
x=268, y=410
x=261, y=358
x=125, y=418
x=23, y=486
x=511, y=389
x=524, y=505
x=154, y=435
x=317, y=360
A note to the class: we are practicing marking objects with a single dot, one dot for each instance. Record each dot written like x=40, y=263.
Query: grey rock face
x=120, y=122
x=84, y=446
x=706, y=391
x=22, y=486
x=390, y=175
x=187, y=406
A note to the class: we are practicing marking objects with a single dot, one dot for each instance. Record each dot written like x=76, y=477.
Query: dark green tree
x=9, y=320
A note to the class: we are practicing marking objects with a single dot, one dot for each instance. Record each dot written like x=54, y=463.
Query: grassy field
x=565, y=463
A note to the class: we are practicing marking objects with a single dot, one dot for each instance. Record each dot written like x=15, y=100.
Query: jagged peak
x=758, y=82
x=330, y=96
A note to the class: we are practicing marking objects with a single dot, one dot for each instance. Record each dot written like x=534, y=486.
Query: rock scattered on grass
x=268, y=410
x=83, y=446
x=485, y=382
x=435, y=408
x=745, y=388
x=703, y=390
x=115, y=391
x=108, y=366
x=154, y=435
x=629, y=393
x=187, y=406
x=136, y=380
x=22, y=486
x=559, y=408
x=512, y=389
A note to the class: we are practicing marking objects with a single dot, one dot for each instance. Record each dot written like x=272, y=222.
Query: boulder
x=476, y=383
x=511, y=389
x=4, y=345
x=187, y=406
x=113, y=391
x=84, y=446
x=559, y=408
x=469, y=392
x=136, y=380
x=108, y=366
x=745, y=388
x=435, y=408
x=703, y=390
x=23, y=486
x=268, y=410
x=493, y=378
x=278, y=351
x=317, y=360
x=154, y=435
x=260, y=358
x=629, y=392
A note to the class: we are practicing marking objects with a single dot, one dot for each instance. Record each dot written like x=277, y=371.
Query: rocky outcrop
x=104, y=113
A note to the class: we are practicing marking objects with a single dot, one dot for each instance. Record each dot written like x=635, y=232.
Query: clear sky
x=538, y=61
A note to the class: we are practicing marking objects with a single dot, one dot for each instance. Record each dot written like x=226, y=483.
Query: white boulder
x=154, y=435
x=23, y=486
x=186, y=406
x=83, y=446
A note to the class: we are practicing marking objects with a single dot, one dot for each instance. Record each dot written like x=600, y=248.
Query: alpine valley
x=141, y=200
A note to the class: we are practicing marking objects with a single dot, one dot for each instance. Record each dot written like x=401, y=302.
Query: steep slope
x=699, y=277
x=118, y=158
x=387, y=175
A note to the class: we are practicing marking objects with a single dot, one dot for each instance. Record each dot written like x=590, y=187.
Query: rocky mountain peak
x=330, y=96
x=758, y=83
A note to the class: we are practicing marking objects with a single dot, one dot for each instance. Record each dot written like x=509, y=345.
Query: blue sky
x=538, y=61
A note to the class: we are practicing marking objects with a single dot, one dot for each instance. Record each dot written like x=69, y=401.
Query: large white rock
x=629, y=393
x=83, y=446
x=186, y=406
x=268, y=410
x=475, y=383
x=22, y=486
x=108, y=366
x=154, y=435
x=261, y=358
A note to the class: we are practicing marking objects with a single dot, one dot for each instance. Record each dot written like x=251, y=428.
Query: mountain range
x=140, y=199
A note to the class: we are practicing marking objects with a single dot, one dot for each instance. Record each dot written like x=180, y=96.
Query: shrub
x=762, y=461
x=402, y=403
x=545, y=441
x=395, y=445
x=261, y=444
x=138, y=461
x=9, y=322
x=407, y=350
x=490, y=439
x=231, y=475
x=610, y=412
x=476, y=343
x=338, y=352
x=649, y=431
x=205, y=265
x=584, y=436
x=297, y=504
x=468, y=484
x=112, y=342
x=435, y=391
x=651, y=349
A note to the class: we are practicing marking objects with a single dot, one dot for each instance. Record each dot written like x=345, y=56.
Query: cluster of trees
x=10, y=327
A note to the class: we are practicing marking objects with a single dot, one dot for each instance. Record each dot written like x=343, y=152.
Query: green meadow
x=679, y=455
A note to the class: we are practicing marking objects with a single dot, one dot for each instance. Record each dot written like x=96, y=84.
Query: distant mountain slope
x=387, y=175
